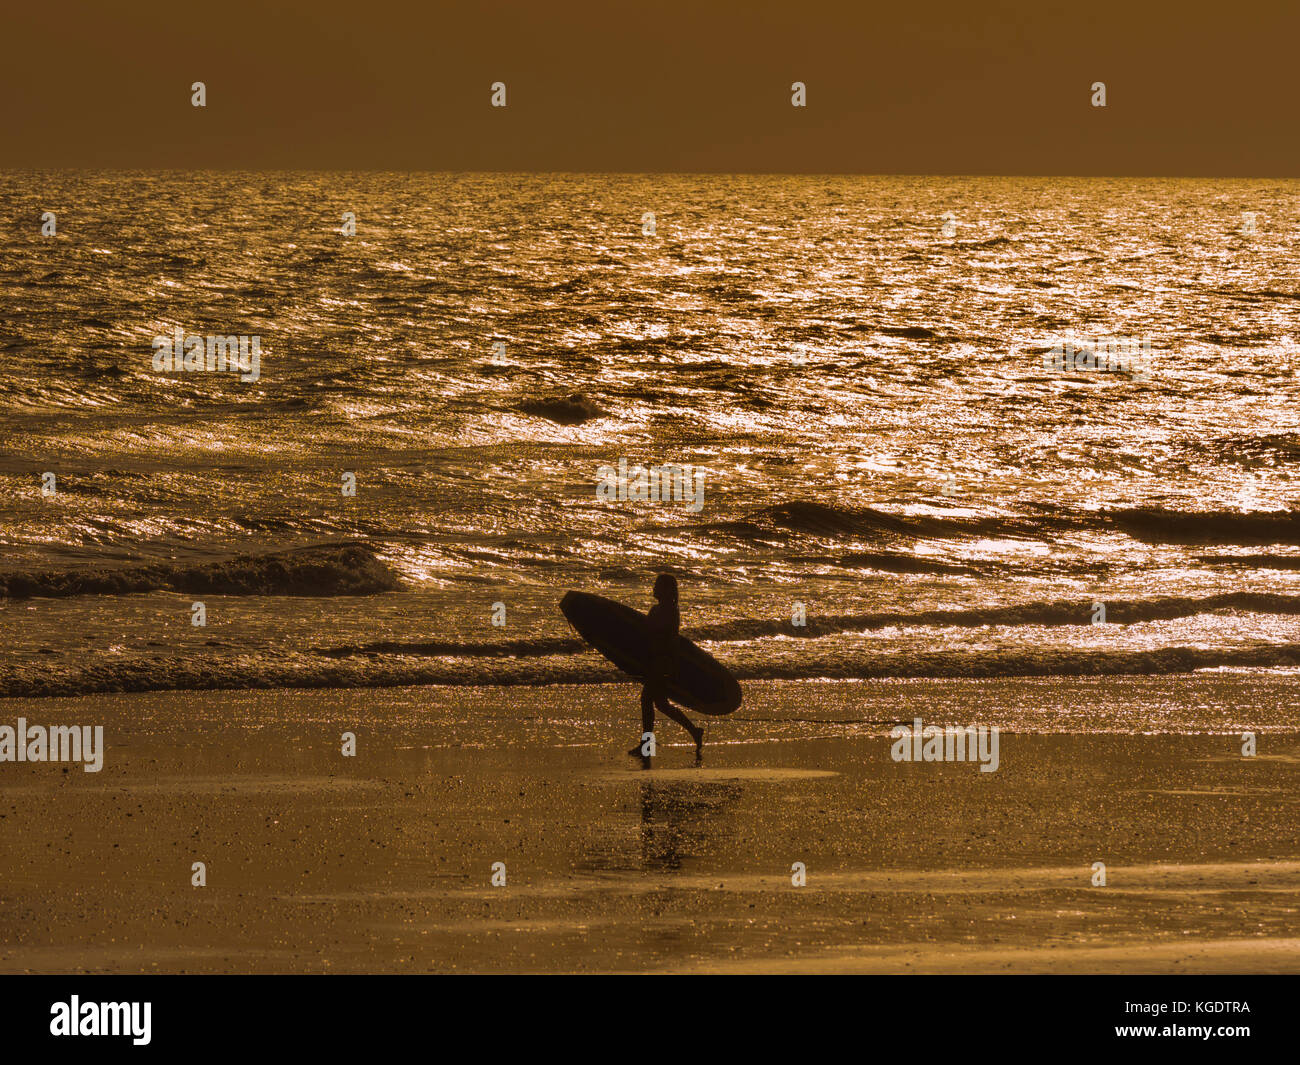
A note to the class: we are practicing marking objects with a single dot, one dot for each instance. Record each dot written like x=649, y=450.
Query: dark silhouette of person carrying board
x=661, y=654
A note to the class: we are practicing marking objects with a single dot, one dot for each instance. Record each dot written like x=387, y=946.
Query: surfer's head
x=666, y=588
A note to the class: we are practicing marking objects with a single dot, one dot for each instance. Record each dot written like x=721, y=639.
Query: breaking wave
x=248, y=673
x=340, y=569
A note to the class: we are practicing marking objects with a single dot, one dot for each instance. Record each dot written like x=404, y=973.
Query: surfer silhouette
x=661, y=652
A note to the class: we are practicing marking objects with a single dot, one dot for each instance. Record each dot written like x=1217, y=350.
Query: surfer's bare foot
x=699, y=744
x=637, y=752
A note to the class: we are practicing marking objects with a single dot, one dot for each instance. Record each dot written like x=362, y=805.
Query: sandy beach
x=383, y=862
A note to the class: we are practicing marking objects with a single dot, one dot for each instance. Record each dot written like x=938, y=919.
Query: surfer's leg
x=647, y=718
x=668, y=710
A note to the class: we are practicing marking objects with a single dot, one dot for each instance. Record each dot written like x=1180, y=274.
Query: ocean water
x=864, y=394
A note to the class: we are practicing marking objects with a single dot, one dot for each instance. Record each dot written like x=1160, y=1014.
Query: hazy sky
x=915, y=87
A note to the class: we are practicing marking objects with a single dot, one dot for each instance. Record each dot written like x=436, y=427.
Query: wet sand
x=383, y=862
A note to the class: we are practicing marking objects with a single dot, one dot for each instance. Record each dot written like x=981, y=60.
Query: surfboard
x=622, y=634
